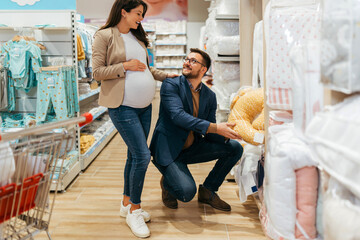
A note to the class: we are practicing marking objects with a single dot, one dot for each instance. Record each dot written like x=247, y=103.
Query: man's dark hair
x=204, y=55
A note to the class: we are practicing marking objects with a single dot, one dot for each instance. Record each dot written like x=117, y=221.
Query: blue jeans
x=133, y=124
x=178, y=179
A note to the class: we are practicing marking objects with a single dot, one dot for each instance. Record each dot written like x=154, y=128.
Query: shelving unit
x=101, y=111
x=221, y=24
x=89, y=94
x=91, y=97
x=170, y=44
x=60, y=41
x=227, y=17
x=38, y=28
x=169, y=60
x=251, y=12
x=170, y=33
x=67, y=177
x=169, y=67
x=228, y=59
x=172, y=55
x=96, y=148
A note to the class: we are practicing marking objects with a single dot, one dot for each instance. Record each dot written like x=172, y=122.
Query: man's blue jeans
x=178, y=179
x=133, y=124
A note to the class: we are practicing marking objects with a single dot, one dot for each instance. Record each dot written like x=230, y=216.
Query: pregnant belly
x=139, y=89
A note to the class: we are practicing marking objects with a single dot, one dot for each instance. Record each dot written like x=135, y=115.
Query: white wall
x=197, y=10
x=197, y=15
x=94, y=8
x=193, y=34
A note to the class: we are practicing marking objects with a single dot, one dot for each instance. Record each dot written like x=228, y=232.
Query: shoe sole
x=125, y=214
x=136, y=234
x=221, y=209
x=171, y=207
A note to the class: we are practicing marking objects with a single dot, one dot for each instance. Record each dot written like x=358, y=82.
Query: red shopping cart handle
x=88, y=119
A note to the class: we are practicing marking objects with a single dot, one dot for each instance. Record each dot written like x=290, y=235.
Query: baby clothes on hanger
x=81, y=69
x=81, y=57
x=11, y=93
x=58, y=86
x=51, y=88
x=17, y=120
x=21, y=58
x=80, y=48
x=71, y=90
x=86, y=33
x=3, y=89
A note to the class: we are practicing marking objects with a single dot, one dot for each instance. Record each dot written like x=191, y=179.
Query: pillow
x=247, y=111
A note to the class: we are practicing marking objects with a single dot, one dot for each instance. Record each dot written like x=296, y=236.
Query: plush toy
x=247, y=111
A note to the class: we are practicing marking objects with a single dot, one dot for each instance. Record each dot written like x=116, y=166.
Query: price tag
x=259, y=138
x=16, y=52
x=51, y=82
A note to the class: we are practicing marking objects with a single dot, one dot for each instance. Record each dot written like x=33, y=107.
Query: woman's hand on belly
x=134, y=65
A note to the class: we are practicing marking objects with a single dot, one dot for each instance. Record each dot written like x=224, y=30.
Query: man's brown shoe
x=168, y=200
x=211, y=198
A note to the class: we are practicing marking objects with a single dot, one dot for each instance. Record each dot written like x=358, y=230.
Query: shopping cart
x=28, y=159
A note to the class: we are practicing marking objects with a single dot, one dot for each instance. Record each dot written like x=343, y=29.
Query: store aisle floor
x=89, y=209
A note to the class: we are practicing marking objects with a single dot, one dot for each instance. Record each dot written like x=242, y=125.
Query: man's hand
x=224, y=129
x=208, y=81
x=134, y=65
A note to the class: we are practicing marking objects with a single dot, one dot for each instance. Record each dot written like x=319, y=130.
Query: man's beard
x=191, y=74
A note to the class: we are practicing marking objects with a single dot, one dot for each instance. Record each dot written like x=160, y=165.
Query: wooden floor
x=89, y=209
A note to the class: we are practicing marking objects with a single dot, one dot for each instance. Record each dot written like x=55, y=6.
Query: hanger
x=54, y=68
x=17, y=38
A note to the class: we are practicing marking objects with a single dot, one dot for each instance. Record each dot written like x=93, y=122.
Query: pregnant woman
x=120, y=62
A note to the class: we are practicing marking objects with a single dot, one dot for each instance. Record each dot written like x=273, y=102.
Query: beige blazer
x=107, y=61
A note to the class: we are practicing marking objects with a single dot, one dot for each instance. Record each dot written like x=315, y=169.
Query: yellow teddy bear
x=247, y=111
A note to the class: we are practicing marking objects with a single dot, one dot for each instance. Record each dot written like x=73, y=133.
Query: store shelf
x=169, y=67
x=96, y=148
x=171, y=55
x=228, y=59
x=66, y=178
x=227, y=17
x=41, y=28
x=170, y=44
x=89, y=94
x=96, y=115
x=55, y=28
x=169, y=33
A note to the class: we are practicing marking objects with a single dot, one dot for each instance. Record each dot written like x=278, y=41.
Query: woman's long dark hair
x=115, y=17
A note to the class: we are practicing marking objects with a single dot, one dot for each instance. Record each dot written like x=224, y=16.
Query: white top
x=139, y=86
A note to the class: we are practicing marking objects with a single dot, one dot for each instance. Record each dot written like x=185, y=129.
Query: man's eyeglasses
x=192, y=61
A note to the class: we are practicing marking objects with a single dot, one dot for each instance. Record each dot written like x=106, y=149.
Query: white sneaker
x=124, y=211
x=136, y=222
